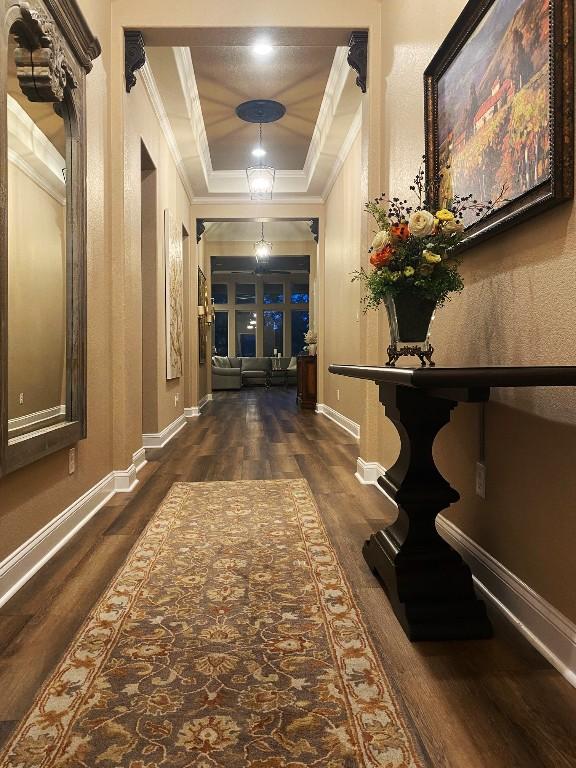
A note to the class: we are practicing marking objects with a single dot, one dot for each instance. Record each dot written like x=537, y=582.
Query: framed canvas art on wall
x=174, y=275
x=499, y=108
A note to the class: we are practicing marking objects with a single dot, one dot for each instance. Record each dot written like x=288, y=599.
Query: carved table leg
x=429, y=585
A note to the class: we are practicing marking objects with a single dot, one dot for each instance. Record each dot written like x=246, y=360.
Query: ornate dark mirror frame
x=55, y=53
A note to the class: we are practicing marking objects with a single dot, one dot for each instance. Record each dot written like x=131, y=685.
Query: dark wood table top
x=437, y=378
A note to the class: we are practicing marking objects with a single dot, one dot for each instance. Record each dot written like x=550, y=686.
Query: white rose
x=381, y=240
x=452, y=226
x=421, y=224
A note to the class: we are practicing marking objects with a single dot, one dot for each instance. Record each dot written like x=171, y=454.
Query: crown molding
x=243, y=199
x=334, y=87
x=160, y=112
x=187, y=77
x=344, y=152
x=294, y=182
x=32, y=152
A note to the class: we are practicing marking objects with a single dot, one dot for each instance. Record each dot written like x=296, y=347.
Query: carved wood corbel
x=358, y=57
x=41, y=65
x=315, y=228
x=134, y=56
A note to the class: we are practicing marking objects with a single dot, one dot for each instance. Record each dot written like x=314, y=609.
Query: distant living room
x=262, y=303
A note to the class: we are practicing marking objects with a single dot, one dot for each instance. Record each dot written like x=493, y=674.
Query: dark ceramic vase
x=409, y=319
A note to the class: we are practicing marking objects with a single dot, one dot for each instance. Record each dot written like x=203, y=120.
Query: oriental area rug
x=229, y=639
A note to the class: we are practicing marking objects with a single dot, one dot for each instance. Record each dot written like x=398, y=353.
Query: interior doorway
x=148, y=267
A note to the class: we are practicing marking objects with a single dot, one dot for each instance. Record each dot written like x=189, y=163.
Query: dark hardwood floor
x=483, y=704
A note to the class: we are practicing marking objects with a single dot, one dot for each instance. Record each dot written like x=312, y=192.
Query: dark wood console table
x=306, y=390
x=429, y=585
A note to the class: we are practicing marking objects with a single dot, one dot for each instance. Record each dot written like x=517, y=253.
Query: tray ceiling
x=195, y=90
x=226, y=76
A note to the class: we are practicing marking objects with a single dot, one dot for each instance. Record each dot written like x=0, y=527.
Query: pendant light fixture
x=260, y=177
x=262, y=249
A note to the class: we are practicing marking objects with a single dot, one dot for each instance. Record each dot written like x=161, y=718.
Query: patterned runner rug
x=229, y=639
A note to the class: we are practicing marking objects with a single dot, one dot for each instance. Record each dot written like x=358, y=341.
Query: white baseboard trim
x=194, y=411
x=548, y=630
x=160, y=439
x=338, y=418
x=139, y=459
x=368, y=472
x=32, y=419
x=21, y=565
x=125, y=480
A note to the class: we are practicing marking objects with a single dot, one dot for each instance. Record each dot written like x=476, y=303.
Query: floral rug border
x=369, y=702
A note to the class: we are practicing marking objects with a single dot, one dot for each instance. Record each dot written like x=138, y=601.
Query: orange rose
x=400, y=231
x=383, y=257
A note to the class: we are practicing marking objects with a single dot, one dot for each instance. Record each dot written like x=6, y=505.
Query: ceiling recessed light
x=262, y=48
x=259, y=152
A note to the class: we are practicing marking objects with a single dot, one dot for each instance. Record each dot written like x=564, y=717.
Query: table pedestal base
x=433, y=600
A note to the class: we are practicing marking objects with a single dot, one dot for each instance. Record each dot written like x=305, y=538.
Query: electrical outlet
x=176, y=398
x=21, y=398
x=337, y=394
x=71, y=461
x=481, y=479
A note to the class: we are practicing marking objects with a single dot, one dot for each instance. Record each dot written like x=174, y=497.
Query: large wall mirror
x=47, y=52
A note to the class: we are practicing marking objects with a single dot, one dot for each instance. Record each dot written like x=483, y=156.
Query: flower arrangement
x=413, y=250
x=311, y=337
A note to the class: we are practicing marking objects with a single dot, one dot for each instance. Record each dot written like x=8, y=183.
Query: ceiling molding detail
x=358, y=57
x=344, y=152
x=134, y=56
x=33, y=153
x=241, y=199
x=291, y=186
x=334, y=89
x=189, y=87
x=160, y=112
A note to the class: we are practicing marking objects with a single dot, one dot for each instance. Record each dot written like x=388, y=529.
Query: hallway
x=471, y=704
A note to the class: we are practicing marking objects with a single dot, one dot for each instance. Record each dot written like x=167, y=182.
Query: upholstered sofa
x=235, y=372
x=226, y=373
x=256, y=370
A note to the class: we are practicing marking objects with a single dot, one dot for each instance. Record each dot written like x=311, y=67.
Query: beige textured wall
x=37, y=303
x=517, y=309
x=142, y=126
x=342, y=255
x=33, y=496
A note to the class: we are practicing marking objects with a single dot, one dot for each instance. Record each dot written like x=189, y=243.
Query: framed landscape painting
x=499, y=109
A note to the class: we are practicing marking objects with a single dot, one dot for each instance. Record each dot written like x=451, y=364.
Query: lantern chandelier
x=262, y=249
x=260, y=177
